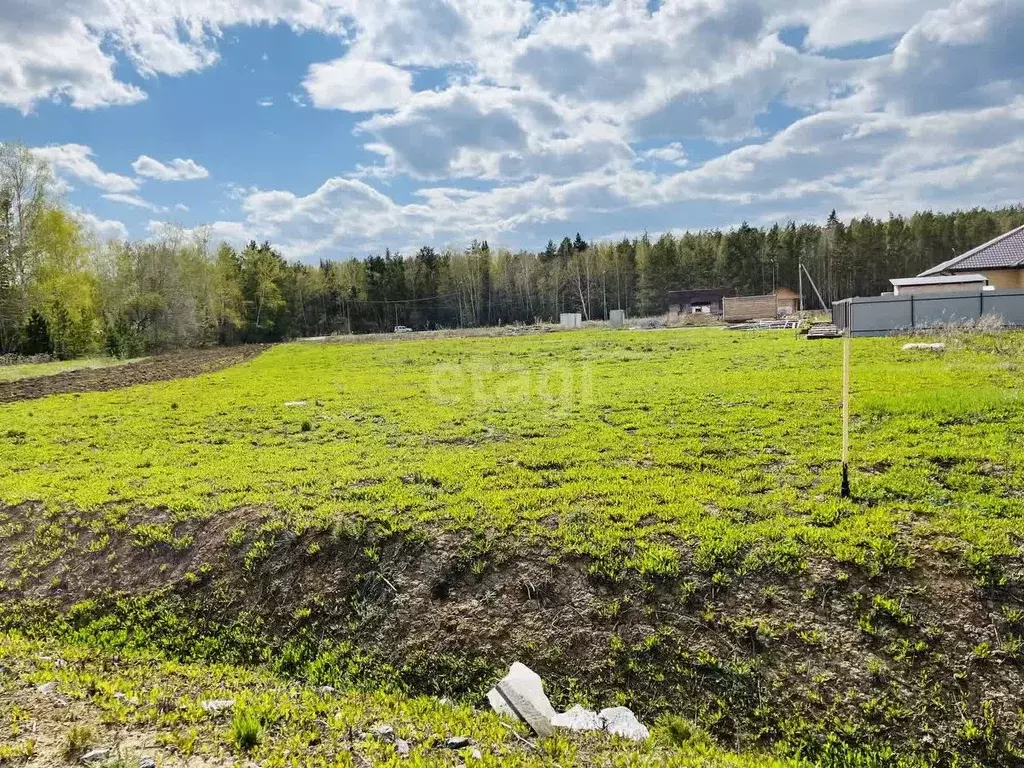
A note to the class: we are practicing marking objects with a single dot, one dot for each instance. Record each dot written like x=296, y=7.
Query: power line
x=401, y=301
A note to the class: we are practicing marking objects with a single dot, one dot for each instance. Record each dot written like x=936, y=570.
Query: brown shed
x=767, y=307
x=788, y=301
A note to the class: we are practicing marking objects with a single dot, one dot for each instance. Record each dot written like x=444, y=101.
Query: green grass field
x=682, y=477
x=617, y=447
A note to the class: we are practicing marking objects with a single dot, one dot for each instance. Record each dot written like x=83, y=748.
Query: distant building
x=788, y=301
x=1000, y=261
x=905, y=286
x=705, y=301
x=768, y=307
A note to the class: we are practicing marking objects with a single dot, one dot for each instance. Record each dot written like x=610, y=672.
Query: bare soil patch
x=178, y=365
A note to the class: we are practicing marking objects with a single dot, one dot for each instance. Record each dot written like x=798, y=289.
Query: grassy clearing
x=621, y=448
x=31, y=370
x=650, y=517
x=148, y=706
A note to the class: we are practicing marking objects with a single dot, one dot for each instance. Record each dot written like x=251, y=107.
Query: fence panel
x=940, y=310
x=1010, y=308
x=882, y=315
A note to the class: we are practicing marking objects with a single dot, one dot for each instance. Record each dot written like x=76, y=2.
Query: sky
x=336, y=128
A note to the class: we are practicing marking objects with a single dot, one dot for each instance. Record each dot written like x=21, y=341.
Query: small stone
x=48, y=688
x=620, y=721
x=578, y=719
x=383, y=732
x=457, y=742
x=95, y=756
x=296, y=404
x=147, y=762
x=477, y=754
x=323, y=690
x=213, y=706
x=402, y=747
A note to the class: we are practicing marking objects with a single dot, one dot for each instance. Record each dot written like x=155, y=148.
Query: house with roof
x=704, y=301
x=999, y=261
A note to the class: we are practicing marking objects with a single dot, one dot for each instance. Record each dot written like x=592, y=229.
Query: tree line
x=65, y=294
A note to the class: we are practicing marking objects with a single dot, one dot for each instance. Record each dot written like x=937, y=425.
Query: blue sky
x=340, y=127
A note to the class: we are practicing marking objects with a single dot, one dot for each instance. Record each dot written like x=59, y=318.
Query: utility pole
x=800, y=276
x=845, y=489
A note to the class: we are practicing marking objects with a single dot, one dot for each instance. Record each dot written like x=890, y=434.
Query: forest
x=65, y=294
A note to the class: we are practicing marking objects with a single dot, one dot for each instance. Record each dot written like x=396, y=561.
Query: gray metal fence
x=883, y=315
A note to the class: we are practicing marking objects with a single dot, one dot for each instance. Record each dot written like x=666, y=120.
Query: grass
x=619, y=447
x=692, y=475
x=31, y=370
x=146, y=704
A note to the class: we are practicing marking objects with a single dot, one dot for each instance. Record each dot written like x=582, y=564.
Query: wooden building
x=768, y=307
x=704, y=301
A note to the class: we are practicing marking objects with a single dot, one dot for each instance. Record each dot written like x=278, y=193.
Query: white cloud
x=176, y=170
x=844, y=22
x=355, y=85
x=492, y=133
x=47, y=55
x=858, y=163
x=266, y=101
x=574, y=111
x=76, y=160
x=181, y=207
x=104, y=229
x=672, y=153
x=134, y=201
x=968, y=55
x=62, y=50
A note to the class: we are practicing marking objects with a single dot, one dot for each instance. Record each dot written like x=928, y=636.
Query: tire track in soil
x=177, y=365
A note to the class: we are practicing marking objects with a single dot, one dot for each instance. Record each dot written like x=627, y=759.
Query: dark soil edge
x=917, y=660
x=179, y=365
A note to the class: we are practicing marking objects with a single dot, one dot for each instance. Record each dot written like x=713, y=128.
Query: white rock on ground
x=402, y=747
x=520, y=694
x=95, y=756
x=578, y=719
x=620, y=721
x=48, y=688
x=217, y=705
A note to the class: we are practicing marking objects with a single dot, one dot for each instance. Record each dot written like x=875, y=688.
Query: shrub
x=35, y=336
x=123, y=341
x=246, y=730
x=78, y=740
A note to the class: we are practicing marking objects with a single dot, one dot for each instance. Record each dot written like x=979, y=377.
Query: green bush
x=123, y=341
x=35, y=336
x=246, y=730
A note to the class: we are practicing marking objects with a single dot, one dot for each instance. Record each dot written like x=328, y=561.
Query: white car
x=403, y=329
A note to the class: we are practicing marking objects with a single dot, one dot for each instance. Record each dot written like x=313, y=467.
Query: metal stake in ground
x=847, y=343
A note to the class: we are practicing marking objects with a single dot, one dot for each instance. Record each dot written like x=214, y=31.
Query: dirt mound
x=925, y=660
x=179, y=365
